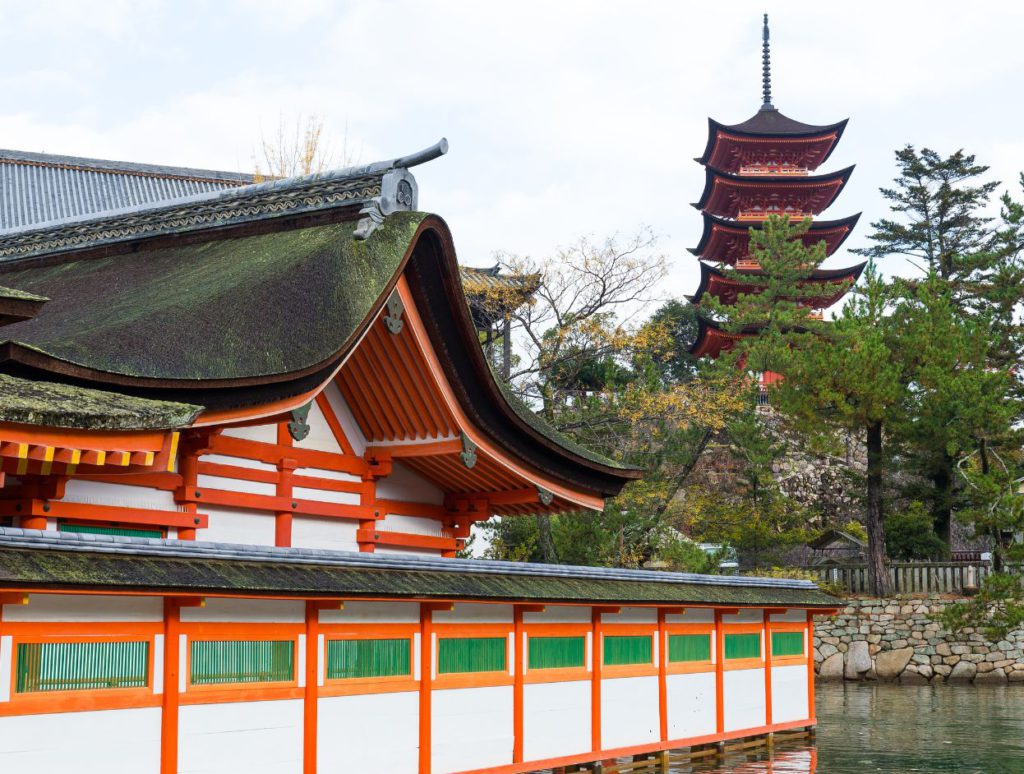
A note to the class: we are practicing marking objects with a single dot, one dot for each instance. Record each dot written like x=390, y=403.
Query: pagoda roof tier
x=727, y=287
x=769, y=137
x=727, y=195
x=713, y=341
x=728, y=241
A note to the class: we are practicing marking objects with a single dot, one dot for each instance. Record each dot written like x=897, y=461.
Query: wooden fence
x=909, y=577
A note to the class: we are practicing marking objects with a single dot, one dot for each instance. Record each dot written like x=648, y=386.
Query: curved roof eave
x=759, y=129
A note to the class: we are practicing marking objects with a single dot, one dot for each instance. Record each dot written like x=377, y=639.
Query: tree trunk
x=545, y=540
x=942, y=505
x=878, y=573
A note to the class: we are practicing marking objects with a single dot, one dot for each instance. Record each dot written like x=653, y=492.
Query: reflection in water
x=885, y=728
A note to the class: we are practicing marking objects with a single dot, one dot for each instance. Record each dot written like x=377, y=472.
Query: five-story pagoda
x=765, y=166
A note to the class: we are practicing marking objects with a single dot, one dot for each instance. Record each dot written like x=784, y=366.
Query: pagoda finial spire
x=766, y=69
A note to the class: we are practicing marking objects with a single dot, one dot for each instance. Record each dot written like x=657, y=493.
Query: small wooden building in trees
x=244, y=429
x=755, y=169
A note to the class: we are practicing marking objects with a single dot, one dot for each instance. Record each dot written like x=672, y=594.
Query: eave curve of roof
x=710, y=221
x=709, y=272
x=710, y=174
x=769, y=123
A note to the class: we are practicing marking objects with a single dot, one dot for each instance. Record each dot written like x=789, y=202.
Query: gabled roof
x=721, y=189
x=40, y=187
x=737, y=233
x=718, y=283
x=768, y=123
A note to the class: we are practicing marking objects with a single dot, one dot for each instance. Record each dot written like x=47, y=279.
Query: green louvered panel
x=743, y=646
x=689, y=647
x=96, y=529
x=368, y=658
x=242, y=661
x=787, y=643
x=557, y=652
x=470, y=654
x=632, y=649
x=76, y=666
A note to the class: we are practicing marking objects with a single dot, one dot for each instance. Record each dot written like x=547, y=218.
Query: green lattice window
x=557, y=652
x=471, y=654
x=689, y=647
x=368, y=658
x=632, y=649
x=743, y=646
x=787, y=643
x=79, y=666
x=216, y=662
x=99, y=529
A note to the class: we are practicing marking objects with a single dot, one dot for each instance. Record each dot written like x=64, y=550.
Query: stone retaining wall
x=898, y=640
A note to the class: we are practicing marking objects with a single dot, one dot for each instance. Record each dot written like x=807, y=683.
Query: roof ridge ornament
x=398, y=189
x=766, y=69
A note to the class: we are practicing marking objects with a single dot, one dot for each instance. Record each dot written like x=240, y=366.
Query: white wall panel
x=321, y=437
x=246, y=611
x=102, y=493
x=560, y=614
x=226, y=484
x=743, y=699
x=324, y=532
x=345, y=418
x=325, y=495
x=236, y=525
x=789, y=693
x=629, y=712
x=745, y=616
x=398, y=551
x=238, y=462
x=790, y=616
x=373, y=612
x=261, y=433
x=467, y=612
x=415, y=525
x=472, y=728
x=258, y=737
x=692, y=615
x=83, y=607
x=691, y=705
x=105, y=742
x=556, y=719
x=633, y=615
x=374, y=732
x=404, y=484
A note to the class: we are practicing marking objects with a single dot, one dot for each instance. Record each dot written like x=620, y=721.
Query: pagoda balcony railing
x=816, y=314
x=758, y=215
x=773, y=169
x=748, y=264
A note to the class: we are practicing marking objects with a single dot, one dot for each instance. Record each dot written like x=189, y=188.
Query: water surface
x=865, y=728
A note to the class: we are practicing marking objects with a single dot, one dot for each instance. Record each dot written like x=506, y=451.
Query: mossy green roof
x=236, y=308
x=61, y=405
x=20, y=295
x=27, y=568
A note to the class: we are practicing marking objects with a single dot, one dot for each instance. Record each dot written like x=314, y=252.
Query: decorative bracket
x=468, y=454
x=393, y=316
x=544, y=496
x=298, y=428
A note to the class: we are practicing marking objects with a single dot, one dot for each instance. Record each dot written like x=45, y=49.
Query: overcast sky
x=564, y=118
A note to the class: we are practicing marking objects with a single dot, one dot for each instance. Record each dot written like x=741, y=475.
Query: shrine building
x=245, y=427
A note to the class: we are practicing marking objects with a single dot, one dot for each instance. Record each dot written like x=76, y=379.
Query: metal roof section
x=38, y=188
x=381, y=188
x=14, y=537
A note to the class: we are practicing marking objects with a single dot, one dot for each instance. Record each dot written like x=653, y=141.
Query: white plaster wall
x=324, y=532
x=321, y=437
x=471, y=728
x=258, y=737
x=262, y=433
x=373, y=612
x=629, y=712
x=745, y=616
x=102, y=493
x=468, y=612
x=373, y=732
x=325, y=495
x=345, y=418
x=404, y=484
x=82, y=607
x=238, y=462
x=633, y=615
x=235, y=525
x=790, y=616
x=702, y=615
x=105, y=742
x=246, y=611
x=398, y=551
x=226, y=484
x=743, y=697
x=691, y=705
x=560, y=614
x=334, y=475
x=789, y=693
x=415, y=525
x=556, y=719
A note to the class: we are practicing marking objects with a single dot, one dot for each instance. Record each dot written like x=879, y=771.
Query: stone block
x=943, y=649
x=963, y=672
x=858, y=660
x=943, y=670
x=891, y=663
x=832, y=667
x=913, y=678
x=827, y=649
x=985, y=666
x=1016, y=676
x=995, y=677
